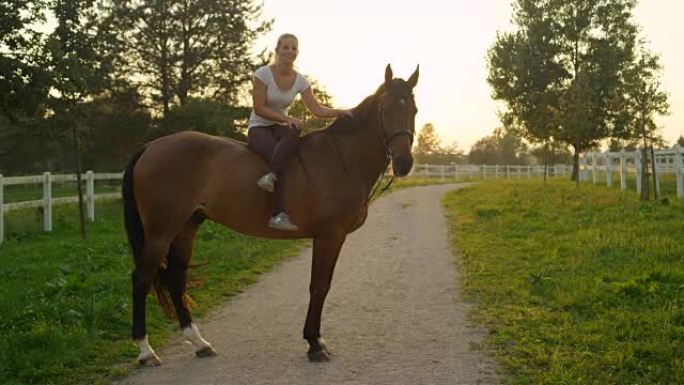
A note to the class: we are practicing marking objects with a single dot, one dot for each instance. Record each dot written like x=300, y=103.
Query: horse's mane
x=347, y=124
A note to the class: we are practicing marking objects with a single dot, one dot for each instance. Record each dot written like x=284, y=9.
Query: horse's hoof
x=324, y=346
x=206, y=351
x=319, y=356
x=149, y=360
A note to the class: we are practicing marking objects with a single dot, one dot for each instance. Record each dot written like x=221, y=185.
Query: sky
x=345, y=46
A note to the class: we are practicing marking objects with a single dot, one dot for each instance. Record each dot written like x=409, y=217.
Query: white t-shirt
x=276, y=99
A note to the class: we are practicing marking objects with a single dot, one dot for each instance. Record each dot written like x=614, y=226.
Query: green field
x=65, y=308
x=575, y=285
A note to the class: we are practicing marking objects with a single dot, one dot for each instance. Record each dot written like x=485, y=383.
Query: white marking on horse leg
x=192, y=334
x=147, y=355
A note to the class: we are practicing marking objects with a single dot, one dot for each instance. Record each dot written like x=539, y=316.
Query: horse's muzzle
x=402, y=164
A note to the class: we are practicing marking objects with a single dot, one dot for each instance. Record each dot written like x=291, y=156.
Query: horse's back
x=180, y=173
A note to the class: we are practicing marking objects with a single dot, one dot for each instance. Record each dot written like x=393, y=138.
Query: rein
x=377, y=184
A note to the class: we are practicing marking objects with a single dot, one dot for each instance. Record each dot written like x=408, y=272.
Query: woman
x=272, y=133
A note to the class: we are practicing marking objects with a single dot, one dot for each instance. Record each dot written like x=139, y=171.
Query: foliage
x=592, y=300
x=24, y=82
x=115, y=126
x=190, y=48
x=502, y=147
x=206, y=115
x=642, y=99
x=564, y=71
x=428, y=148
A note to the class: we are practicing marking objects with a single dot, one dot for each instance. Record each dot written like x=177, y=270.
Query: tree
x=206, y=115
x=680, y=141
x=503, y=147
x=76, y=74
x=561, y=72
x=180, y=49
x=115, y=126
x=23, y=82
x=427, y=144
x=642, y=100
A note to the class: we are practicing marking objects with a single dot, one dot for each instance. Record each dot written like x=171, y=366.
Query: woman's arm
x=319, y=110
x=260, y=108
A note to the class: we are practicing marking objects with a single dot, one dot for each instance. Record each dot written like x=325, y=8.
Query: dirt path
x=394, y=314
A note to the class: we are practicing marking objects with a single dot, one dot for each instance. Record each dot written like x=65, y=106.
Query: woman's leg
x=263, y=141
x=283, y=152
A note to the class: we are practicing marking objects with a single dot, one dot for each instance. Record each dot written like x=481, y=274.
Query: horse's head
x=397, y=111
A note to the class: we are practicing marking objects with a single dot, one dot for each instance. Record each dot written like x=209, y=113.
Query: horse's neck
x=365, y=150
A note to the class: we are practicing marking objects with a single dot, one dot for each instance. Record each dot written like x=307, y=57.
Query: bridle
x=402, y=99
x=387, y=139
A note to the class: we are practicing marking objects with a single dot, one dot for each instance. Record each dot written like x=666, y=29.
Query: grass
x=576, y=285
x=65, y=308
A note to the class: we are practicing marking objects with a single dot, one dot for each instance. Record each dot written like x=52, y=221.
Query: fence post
x=656, y=173
x=609, y=170
x=508, y=171
x=637, y=163
x=484, y=171
x=623, y=170
x=47, y=201
x=678, y=172
x=594, y=176
x=90, y=190
x=497, y=171
x=2, y=211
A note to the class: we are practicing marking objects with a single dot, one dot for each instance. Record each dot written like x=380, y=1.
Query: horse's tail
x=132, y=221
x=136, y=238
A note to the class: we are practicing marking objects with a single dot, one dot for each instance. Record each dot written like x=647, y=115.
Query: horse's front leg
x=326, y=249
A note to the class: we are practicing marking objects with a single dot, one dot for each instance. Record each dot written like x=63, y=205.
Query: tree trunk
x=644, y=172
x=575, y=165
x=546, y=160
x=77, y=155
x=655, y=176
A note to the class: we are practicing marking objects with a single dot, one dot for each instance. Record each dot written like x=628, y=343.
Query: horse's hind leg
x=175, y=278
x=143, y=276
x=326, y=249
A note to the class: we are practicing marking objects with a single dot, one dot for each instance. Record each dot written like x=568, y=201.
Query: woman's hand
x=294, y=123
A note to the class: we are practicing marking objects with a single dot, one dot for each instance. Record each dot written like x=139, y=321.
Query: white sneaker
x=281, y=222
x=267, y=181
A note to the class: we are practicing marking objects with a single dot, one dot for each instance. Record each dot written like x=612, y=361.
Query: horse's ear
x=388, y=74
x=413, y=80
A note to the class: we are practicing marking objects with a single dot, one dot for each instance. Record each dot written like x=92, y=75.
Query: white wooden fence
x=596, y=166
x=469, y=171
x=48, y=201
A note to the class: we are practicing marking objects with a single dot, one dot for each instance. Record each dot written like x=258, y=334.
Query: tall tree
x=76, y=73
x=427, y=144
x=561, y=71
x=180, y=49
x=23, y=81
x=642, y=99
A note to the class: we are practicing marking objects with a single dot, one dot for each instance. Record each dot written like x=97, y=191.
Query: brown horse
x=175, y=182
